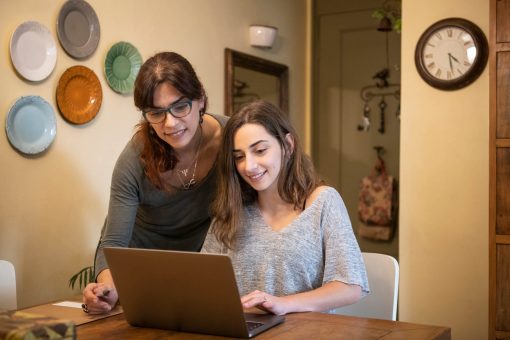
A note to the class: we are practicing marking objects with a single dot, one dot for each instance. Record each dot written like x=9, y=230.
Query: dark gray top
x=317, y=247
x=141, y=216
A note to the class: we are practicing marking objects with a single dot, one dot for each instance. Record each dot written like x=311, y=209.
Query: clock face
x=451, y=54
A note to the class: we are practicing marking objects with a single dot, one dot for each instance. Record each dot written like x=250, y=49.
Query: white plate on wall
x=33, y=51
x=31, y=125
x=78, y=28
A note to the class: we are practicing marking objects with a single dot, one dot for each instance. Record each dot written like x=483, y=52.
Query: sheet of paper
x=72, y=312
x=68, y=304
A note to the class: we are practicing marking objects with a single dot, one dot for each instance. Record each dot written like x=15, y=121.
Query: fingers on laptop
x=257, y=298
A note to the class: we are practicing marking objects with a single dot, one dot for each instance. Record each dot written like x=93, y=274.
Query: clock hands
x=454, y=59
x=450, y=58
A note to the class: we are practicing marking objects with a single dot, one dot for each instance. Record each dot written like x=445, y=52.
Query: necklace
x=187, y=184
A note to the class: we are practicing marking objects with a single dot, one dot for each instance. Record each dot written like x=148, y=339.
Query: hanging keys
x=382, y=107
x=365, y=119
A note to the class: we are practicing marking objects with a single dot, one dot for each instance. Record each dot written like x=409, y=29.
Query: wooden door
x=499, y=202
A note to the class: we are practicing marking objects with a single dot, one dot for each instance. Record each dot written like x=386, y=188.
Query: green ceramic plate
x=121, y=66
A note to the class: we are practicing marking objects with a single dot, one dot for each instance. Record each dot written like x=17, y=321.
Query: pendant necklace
x=184, y=172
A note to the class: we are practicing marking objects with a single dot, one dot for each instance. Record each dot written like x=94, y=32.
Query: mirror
x=248, y=78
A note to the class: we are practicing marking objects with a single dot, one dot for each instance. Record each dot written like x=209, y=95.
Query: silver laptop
x=182, y=291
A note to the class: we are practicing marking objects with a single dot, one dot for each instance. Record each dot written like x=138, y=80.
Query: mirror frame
x=239, y=59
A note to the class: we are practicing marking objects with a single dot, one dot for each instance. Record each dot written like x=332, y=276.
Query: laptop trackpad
x=260, y=322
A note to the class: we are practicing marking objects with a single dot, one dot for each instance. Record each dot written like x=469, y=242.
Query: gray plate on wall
x=78, y=28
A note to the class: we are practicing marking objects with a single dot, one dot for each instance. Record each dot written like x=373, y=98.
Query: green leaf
x=378, y=14
x=397, y=25
x=84, y=277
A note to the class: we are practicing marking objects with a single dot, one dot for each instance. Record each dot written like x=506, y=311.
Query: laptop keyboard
x=252, y=325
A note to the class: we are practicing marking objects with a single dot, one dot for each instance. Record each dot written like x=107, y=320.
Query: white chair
x=7, y=286
x=381, y=303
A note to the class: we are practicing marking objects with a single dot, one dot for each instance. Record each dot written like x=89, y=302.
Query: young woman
x=289, y=237
x=164, y=180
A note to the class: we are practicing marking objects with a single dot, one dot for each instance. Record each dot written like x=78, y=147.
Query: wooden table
x=296, y=326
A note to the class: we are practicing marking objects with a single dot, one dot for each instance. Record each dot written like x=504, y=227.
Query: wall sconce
x=262, y=36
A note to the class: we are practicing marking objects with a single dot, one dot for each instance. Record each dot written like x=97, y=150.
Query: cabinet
x=499, y=159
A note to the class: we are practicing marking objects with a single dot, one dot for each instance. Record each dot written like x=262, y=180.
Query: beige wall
x=53, y=206
x=444, y=186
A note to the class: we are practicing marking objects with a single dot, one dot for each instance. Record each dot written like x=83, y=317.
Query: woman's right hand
x=99, y=298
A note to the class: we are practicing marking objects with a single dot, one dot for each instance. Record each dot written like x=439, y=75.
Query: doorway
x=350, y=54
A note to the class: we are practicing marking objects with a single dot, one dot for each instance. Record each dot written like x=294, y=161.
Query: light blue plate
x=31, y=125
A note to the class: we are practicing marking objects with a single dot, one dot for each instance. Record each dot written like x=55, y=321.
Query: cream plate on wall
x=79, y=94
x=121, y=67
x=31, y=125
x=33, y=51
x=78, y=28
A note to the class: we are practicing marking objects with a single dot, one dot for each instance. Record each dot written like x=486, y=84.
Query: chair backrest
x=381, y=303
x=8, y=299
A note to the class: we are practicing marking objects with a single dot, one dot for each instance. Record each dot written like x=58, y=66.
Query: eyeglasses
x=179, y=109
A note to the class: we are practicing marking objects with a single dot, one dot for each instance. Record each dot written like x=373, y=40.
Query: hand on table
x=99, y=298
x=264, y=301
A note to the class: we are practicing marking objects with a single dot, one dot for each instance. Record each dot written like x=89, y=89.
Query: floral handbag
x=377, y=204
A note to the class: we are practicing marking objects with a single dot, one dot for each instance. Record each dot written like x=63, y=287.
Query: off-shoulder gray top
x=317, y=247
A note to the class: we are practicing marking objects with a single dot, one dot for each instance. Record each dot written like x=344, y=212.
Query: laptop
x=182, y=291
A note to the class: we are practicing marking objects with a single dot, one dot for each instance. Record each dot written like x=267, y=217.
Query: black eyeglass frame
x=168, y=110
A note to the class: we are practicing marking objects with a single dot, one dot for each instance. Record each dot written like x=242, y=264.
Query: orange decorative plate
x=79, y=94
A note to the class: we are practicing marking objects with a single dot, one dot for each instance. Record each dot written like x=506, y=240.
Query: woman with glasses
x=164, y=179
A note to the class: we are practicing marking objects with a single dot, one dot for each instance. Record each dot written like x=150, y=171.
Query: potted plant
x=389, y=16
x=82, y=278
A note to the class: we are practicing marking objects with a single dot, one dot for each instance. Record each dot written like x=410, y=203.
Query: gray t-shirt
x=141, y=216
x=317, y=247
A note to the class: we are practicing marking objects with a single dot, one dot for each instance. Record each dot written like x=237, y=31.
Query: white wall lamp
x=262, y=36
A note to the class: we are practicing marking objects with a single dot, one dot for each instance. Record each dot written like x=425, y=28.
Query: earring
x=201, y=113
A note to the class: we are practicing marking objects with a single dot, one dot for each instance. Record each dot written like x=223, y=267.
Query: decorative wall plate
x=121, y=66
x=31, y=125
x=33, y=51
x=79, y=94
x=78, y=28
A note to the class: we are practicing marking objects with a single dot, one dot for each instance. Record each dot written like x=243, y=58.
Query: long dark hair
x=158, y=156
x=296, y=181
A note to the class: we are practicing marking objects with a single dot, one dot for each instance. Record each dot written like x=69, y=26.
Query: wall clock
x=451, y=53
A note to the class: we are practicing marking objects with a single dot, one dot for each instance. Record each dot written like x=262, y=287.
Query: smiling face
x=177, y=132
x=258, y=157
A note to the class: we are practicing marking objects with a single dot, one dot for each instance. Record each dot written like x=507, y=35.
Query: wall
x=444, y=186
x=53, y=206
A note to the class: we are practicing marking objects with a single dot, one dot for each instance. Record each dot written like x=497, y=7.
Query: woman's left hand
x=264, y=301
